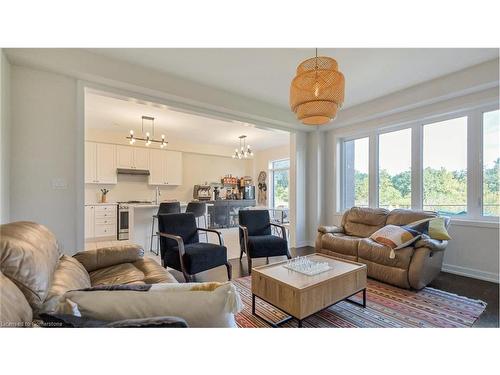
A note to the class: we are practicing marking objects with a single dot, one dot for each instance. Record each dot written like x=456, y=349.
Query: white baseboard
x=304, y=243
x=471, y=272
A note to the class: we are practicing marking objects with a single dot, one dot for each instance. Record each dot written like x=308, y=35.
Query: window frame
x=343, y=158
x=271, y=171
x=480, y=169
x=377, y=165
x=474, y=160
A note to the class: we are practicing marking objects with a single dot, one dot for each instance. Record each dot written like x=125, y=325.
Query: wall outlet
x=59, y=183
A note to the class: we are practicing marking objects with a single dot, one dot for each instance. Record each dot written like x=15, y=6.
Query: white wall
x=261, y=161
x=5, y=127
x=298, y=190
x=43, y=148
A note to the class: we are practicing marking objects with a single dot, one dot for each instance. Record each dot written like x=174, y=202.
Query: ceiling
x=265, y=74
x=120, y=114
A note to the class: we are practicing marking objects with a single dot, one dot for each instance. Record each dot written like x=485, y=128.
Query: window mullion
x=417, y=192
x=373, y=171
x=474, y=165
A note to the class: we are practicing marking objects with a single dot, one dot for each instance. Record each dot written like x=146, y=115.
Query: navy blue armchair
x=256, y=238
x=181, y=249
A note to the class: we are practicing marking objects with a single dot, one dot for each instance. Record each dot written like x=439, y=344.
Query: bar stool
x=199, y=210
x=164, y=208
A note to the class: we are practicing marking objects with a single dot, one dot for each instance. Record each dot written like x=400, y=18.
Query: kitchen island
x=140, y=218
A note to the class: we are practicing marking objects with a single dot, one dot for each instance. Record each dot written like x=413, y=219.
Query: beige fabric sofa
x=413, y=267
x=34, y=274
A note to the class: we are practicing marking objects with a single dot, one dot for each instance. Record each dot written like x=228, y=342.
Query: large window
x=356, y=172
x=394, y=169
x=445, y=166
x=450, y=165
x=491, y=161
x=279, y=171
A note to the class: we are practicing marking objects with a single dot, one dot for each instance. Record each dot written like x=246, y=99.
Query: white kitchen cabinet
x=100, y=221
x=106, y=163
x=132, y=157
x=157, y=166
x=100, y=163
x=124, y=157
x=165, y=167
x=141, y=158
x=174, y=168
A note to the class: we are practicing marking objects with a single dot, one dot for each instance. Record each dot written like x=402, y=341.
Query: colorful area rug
x=387, y=306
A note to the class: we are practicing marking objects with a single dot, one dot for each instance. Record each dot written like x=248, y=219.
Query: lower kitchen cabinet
x=100, y=221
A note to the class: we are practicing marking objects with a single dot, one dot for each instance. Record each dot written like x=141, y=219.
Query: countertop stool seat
x=164, y=208
x=199, y=210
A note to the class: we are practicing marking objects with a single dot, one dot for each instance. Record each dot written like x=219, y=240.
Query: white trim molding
x=471, y=272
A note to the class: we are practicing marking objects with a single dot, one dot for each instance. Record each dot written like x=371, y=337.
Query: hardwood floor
x=476, y=289
x=463, y=286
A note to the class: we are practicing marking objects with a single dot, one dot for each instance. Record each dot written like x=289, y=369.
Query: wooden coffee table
x=301, y=295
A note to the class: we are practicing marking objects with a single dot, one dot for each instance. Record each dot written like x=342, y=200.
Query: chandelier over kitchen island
x=149, y=137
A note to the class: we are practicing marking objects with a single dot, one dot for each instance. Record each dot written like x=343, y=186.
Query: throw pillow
x=199, y=304
x=434, y=227
x=395, y=237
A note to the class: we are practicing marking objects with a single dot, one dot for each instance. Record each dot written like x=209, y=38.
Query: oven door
x=123, y=224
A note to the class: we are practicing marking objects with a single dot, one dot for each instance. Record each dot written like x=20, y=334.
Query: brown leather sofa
x=414, y=266
x=34, y=274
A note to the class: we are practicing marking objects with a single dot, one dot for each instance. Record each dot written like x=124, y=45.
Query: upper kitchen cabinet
x=132, y=157
x=141, y=158
x=100, y=163
x=174, y=167
x=165, y=168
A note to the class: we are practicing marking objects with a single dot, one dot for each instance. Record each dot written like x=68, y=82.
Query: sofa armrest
x=330, y=229
x=432, y=244
x=109, y=256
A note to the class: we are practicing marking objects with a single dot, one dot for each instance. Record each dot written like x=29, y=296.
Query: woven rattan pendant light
x=317, y=91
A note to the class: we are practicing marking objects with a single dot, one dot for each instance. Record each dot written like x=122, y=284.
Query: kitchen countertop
x=151, y=205
x=102, y=204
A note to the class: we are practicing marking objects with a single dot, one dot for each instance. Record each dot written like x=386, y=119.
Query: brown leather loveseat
x=34, y=275
x=414, y=266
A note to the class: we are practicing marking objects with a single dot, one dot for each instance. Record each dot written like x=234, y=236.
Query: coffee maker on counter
x=202, y=192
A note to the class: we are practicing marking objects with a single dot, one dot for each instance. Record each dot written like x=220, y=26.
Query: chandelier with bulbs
x=149, y=137
x=244, y=151
x=317, y=91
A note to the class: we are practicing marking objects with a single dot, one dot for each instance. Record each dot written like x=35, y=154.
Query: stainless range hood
x=143, y=172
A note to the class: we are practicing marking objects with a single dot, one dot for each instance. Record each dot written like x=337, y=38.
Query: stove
x=123, y=218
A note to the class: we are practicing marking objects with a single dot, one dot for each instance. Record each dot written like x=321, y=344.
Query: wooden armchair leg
x=241, y=253
x=288, y=254
x=229, y=270
x=249, y=260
